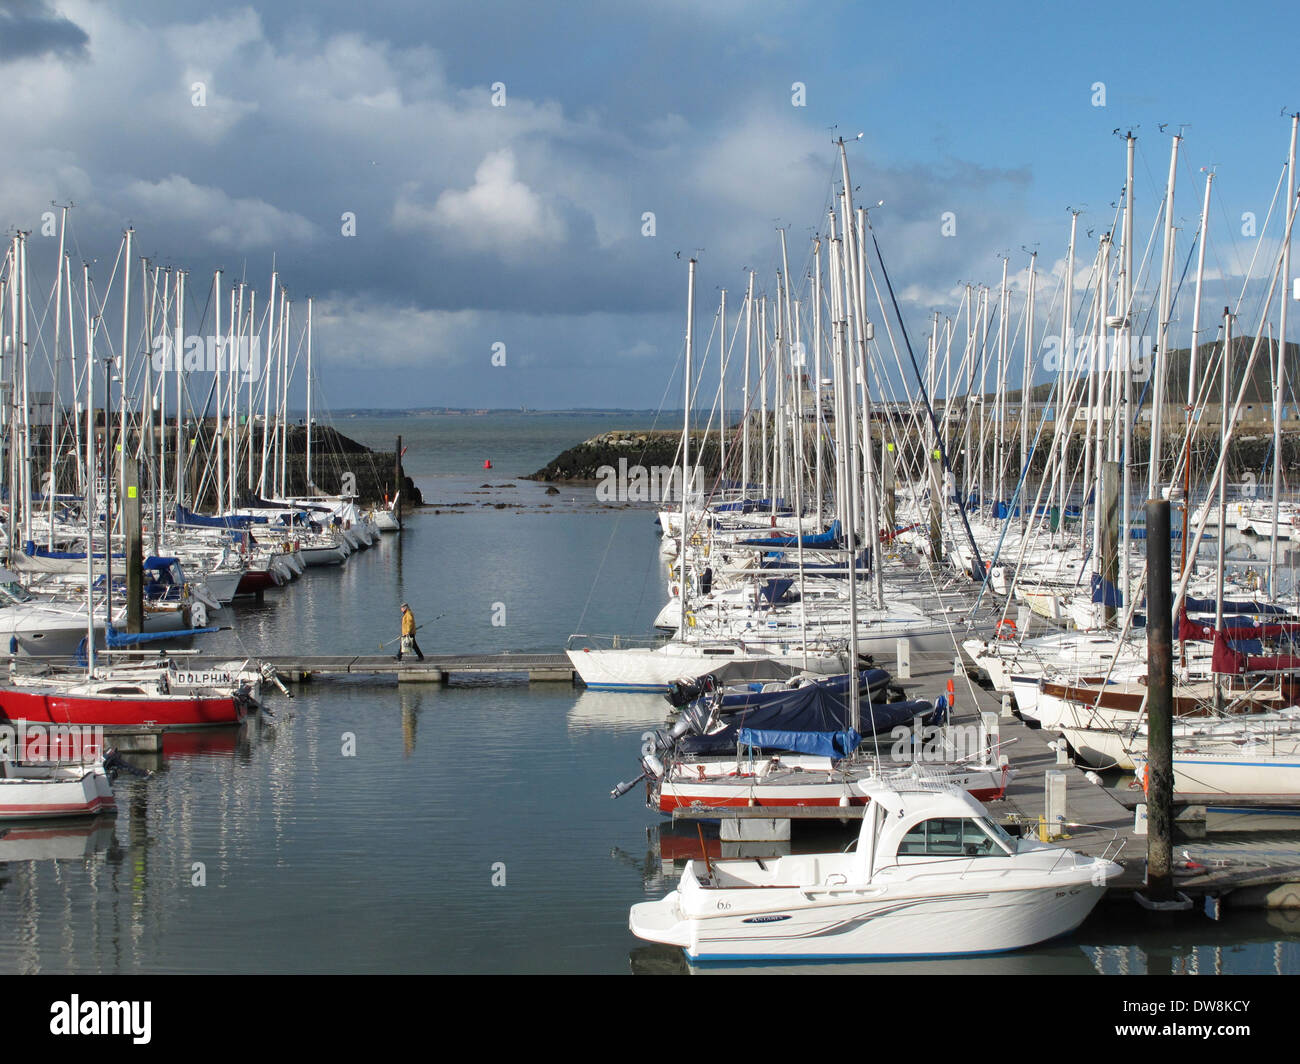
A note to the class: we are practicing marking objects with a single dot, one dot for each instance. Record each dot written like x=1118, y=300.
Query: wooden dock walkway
x=435, y=668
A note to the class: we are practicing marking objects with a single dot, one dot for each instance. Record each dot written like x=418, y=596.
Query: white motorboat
x=931, y=875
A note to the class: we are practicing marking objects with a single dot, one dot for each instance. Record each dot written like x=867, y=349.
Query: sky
x=463, y=189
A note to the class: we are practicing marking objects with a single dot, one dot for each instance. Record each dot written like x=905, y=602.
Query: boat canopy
x=816, y=707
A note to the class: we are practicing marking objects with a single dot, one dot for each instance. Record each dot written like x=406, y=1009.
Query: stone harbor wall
x=584, y=462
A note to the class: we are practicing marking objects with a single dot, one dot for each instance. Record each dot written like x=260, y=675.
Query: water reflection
x=1045, y=960
x=1247, y=943
x=64, y=840
x=607, y=711
x=1242, y=943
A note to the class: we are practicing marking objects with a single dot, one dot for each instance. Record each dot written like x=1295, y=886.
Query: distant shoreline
x=427, y=412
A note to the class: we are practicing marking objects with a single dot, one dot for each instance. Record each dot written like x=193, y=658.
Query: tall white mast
x=749, y=321
x=24, y=355
x=1064, y=419
x=266, y=391
x=307, y=474
x=1126, y=345
x=817, y=370
x=686, y=441
x=285, y=312
x=1162, y=332
x=91, y=502
x=178, y=351
x=125, y=371
x=999, y=447
x=1279, y=382
x=54, y=392
x=722, y=386
x=1193, y=381
x=1027, y=389
x=218, y=370
x=237, y=335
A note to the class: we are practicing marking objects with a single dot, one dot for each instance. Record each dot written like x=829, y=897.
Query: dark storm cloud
x=31, y=28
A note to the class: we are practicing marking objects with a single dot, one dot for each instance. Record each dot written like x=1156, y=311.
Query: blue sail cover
x=820, y=539
x=816, y=707
x=114, y=638
x=775, y=590
x=185, y=516
x=1195, y=605
x=778, y=560
x=33, y=550
x=1104, y=591
x=826, y=744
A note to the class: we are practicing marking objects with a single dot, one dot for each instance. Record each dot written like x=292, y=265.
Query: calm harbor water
x=370, y=828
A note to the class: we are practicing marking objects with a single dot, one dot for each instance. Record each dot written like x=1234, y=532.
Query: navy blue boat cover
x=816, y=707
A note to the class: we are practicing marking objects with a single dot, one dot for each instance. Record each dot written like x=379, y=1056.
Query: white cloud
x=242, y=223
x=497, y=213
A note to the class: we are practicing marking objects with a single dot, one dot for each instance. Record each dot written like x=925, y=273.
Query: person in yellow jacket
x=408, y=634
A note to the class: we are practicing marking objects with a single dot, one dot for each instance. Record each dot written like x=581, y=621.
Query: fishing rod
x=417, y=628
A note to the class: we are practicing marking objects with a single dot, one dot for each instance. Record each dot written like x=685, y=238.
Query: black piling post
x=1160, y=705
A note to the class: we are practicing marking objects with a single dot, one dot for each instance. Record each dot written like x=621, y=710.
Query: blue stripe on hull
x=659, y=688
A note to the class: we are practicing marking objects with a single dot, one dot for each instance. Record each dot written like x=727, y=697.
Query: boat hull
x=117, y=711
x=814, y=924
x=833, y=790
x=44, y=792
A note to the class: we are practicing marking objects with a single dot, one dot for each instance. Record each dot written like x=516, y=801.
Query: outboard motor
x=651, y=768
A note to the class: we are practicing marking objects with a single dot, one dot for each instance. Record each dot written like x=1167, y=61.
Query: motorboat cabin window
x=11, y=591
x=955, y=837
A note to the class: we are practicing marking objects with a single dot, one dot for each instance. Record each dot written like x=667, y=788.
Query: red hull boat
x=110, y=709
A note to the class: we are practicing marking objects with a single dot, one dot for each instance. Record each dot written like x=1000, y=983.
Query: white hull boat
x=654, y=668
x=931, y=876
x=44, y=791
